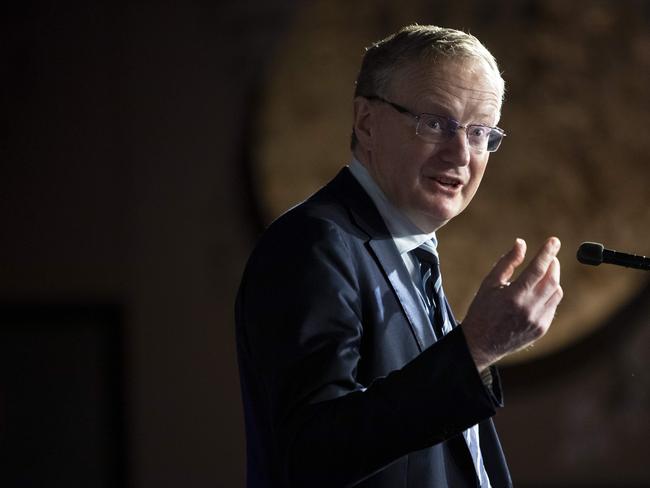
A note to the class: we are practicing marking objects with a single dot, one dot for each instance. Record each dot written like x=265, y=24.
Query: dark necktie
x=434, y=294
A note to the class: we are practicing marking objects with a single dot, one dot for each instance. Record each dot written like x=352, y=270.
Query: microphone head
x=590, y=253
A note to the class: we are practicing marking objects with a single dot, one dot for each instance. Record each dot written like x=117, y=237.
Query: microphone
x=594, y=253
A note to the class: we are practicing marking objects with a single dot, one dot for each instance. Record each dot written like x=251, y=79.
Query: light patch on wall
x=575, y=163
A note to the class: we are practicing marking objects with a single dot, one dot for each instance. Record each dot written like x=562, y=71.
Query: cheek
x=477, y=172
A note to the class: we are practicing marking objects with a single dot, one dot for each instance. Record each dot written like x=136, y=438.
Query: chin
x=443, y=214
x=430, y=215
x=428, y=221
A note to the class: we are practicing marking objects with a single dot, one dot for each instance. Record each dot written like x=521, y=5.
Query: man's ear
x=363, y=122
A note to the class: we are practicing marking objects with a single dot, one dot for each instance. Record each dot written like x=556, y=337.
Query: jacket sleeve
x=300, y=308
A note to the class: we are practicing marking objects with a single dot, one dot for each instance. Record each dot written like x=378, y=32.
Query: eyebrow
x=439, y=109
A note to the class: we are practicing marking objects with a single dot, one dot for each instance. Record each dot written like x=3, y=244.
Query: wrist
x=482, y=359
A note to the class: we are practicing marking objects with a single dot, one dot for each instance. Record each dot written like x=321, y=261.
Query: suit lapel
x=400, y=280
x=381, y=245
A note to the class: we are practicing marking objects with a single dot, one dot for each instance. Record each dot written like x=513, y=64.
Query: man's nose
x=457, y=149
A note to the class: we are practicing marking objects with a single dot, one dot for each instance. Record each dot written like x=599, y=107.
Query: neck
x=421, y=221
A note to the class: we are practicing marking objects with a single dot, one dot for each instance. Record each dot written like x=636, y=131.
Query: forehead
x=459, y=85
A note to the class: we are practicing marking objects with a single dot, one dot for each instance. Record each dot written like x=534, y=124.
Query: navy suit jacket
x=343, y=382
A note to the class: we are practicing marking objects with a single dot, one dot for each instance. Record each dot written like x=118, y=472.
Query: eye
x=479, y=131
x=434, y=123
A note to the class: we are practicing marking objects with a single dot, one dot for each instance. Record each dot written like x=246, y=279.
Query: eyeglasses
x=438, y=128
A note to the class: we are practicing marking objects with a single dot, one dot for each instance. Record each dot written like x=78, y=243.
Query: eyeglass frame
x=455, y=124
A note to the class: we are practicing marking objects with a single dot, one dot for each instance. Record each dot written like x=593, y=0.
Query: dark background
x=126, y=216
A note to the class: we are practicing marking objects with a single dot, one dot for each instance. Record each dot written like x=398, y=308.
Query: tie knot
x=426, y=257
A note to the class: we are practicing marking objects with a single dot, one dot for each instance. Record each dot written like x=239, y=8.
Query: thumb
x=505, y=267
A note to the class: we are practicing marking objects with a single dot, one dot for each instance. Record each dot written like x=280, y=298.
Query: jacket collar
x=406, y=234
x=380, y=243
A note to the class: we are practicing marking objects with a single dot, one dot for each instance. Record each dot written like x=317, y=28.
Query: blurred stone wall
x=573, y=163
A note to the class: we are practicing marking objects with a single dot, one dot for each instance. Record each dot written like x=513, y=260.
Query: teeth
x=446, y=181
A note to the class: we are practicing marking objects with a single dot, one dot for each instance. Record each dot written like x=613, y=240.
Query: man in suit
x=354, y=371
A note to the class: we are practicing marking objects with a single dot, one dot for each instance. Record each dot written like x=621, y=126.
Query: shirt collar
x=405, y=233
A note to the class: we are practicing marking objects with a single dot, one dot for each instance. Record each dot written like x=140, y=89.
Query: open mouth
x=451, y=183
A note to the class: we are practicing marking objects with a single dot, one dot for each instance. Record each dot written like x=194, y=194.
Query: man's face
x=431, y=182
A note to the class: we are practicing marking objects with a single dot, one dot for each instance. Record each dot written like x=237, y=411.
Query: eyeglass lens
x=437, y=129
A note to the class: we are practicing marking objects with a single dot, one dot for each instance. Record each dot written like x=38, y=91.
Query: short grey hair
x=415, y=43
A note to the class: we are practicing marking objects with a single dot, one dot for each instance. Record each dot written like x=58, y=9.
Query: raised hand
x=506, y=317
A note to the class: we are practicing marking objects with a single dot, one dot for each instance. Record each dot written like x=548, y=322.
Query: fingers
x=549, y=287
x=556, y=298
x=505, y=267
x=554, y=270
x=541, y=265
x=551, y=305
x=549, y=292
